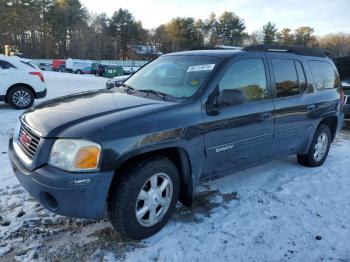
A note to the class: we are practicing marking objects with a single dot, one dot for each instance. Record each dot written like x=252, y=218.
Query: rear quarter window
x=324, y=75
x=29, y=64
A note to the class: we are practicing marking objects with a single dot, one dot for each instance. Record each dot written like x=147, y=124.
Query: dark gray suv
x=181, y=120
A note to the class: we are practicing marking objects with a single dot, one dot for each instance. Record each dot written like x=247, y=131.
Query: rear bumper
x=41, y=94
x=81, y=195
x=2, y=98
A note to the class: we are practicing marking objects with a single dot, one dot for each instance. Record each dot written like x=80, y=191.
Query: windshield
x=177, y=76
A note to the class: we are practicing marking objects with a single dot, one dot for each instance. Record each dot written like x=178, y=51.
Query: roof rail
x=216, y=47
x=299, y=50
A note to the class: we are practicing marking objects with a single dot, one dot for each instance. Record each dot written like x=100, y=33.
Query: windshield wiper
x=161, y=95
x=128, y=88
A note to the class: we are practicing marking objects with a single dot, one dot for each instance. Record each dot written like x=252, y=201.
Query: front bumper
x=81, y=195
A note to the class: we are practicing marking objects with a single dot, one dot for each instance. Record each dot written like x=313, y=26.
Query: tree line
x=64, y=28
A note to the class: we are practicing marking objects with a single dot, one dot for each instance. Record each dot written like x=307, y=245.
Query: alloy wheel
x=21, y=98
x=154, y=199
x=321, y=146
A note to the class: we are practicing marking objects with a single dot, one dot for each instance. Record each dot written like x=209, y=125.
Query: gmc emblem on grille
x=25, y=139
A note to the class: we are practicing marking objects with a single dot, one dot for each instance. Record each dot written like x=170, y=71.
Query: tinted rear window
x=286, y=78
x=324, y=75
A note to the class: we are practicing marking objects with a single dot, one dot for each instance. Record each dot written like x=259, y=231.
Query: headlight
x=75, y=155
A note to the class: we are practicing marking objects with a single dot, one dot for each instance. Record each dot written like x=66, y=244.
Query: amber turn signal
x=87, y=157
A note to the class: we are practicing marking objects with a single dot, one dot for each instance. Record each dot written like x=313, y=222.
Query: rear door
x=243, y=134
x=294, y=104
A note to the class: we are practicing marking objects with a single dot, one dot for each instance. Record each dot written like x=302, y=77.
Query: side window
x=247, y=76
x=324, y=75
x=301, y=77
x=5, y=65
x=285, y=77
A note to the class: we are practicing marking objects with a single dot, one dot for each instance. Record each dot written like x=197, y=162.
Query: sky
x=325, y=16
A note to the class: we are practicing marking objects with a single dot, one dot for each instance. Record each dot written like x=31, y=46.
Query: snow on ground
x=278, y=211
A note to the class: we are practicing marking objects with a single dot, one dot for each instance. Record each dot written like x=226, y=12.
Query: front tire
x=20, y=97
x=141, y=203
x=319, y=148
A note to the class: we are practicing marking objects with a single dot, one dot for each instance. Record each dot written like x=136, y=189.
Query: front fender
x=189, y=159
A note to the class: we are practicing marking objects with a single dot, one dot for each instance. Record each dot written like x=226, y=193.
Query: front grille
x=28, y=141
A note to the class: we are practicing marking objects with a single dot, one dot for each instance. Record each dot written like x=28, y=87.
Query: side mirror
x=231, y=97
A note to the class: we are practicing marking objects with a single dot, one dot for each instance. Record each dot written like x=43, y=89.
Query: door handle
x=265, y=116
x=310, y=107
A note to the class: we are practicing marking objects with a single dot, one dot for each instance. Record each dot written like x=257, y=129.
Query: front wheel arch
x=178, y=156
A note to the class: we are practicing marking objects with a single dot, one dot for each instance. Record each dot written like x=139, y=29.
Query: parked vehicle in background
x=94, y=68
x=101, y=70
x=343, y=65
x=21, y=82
x=57, y=65
x=183, y=119
x=116, y=81
x=128, y=70
x=77, y=66
x=45, y=66
x=113, y=71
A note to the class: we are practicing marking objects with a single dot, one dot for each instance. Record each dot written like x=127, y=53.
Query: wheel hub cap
x=21, y=98
x=154, y=199
x=321, y=147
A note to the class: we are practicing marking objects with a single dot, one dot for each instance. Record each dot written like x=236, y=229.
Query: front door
x=242, y=134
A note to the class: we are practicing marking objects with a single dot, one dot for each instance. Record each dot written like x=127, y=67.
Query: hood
x=54, y=116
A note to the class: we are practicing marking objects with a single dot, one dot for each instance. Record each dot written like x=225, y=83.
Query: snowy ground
x=278, y=211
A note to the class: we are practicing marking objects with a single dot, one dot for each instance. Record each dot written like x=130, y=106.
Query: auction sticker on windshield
x=208, y=67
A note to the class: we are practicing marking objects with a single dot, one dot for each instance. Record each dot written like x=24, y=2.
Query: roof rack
x=216, y=47
x=299, y=50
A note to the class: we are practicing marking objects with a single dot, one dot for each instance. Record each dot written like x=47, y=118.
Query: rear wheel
x=319, y=148
x=20, y=97
x=142, y=202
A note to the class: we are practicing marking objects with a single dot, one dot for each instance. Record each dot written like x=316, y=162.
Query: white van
x=77, y=66
x=20, y=82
